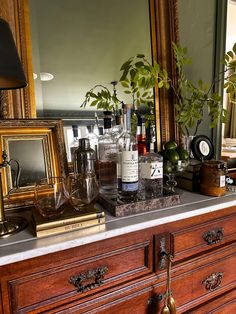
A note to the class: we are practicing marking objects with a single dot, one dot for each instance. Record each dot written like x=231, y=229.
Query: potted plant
x=139, y=77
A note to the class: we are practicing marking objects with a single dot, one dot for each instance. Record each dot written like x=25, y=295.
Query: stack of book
x=70, y=220
x=189, y=178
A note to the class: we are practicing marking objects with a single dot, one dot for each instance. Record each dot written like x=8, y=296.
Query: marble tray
x=120, y=209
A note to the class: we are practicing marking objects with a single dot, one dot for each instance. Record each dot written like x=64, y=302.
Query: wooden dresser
x=125, y=273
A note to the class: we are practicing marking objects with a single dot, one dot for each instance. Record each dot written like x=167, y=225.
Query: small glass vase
x=187, y=140
x=171, y=182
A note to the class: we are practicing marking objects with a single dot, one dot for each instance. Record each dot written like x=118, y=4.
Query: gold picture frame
x=35, y=149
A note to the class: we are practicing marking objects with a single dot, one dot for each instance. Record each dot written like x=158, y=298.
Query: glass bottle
x=107, y=159
x=74, y=145
x=128, y=161
x=141, y=135
x=118, y=128
x=82, y=186
x=93, y=138
x=151, y=175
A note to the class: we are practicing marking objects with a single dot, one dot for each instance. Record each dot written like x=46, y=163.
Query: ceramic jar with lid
x=212, y=178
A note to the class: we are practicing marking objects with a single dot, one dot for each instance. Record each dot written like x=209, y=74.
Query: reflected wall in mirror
x=206, y=48
x=163, y=21
x=83, y=47
x=28, y=152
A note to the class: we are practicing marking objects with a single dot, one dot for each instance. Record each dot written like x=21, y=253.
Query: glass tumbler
x=81, y=189
x=50, y=196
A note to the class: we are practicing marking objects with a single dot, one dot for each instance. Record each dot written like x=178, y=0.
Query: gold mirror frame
x=164, y=30
x=49, y=136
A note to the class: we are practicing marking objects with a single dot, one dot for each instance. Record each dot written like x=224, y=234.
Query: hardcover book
x=68, y=221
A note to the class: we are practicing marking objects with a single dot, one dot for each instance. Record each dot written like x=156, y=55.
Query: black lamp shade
x=11, y=73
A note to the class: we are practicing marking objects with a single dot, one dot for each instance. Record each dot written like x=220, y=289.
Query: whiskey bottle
x=107, y=159
x=151, y=175
x=128, y=161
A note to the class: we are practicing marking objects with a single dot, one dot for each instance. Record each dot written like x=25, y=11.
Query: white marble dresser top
x=24, y=245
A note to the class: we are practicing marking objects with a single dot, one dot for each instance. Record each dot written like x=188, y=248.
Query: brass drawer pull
x=89, y=280
x=213, y=281
x=213, y=236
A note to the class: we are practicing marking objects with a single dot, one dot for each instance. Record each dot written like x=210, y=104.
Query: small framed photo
x=202, y=148
x=35, y=149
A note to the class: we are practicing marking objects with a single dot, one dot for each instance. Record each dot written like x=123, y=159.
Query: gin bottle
x=151, y=175
x=128, y=161
x=107, y=155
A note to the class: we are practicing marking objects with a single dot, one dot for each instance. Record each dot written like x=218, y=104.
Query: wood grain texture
x=133, y=281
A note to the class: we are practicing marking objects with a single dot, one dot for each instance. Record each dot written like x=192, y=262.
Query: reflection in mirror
x=229, y=129
x=83, y=47
x=164, y=30
x=30, y=157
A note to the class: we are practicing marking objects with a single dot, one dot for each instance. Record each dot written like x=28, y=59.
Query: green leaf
x=140, y=56
x=100, y=105
x=126, y=65
x=231, y=54
x=139, y=64
x=124, y=75
x=133, y=74
x=160, y=84
x=125, y=84
x=234, y=48
x=93, y=95
x=226, y=57
x=94, y=103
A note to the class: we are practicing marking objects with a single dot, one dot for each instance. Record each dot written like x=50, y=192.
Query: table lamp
x=11, y=77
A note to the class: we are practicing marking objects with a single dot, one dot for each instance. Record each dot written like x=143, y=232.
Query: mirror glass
x=229, y=129
x=82, y=44
x=29, y=155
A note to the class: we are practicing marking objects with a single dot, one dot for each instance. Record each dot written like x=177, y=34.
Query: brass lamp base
x=12, y=225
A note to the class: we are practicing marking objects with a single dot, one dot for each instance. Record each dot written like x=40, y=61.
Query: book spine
x=70, y=227
x=69, y=221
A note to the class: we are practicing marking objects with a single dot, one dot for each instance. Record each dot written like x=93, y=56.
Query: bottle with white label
x=128, y=161
x=107, y=160
x=151, y=175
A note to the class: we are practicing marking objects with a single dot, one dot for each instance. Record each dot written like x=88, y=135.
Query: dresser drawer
x=76, y=280
x=199, y=281
x=202, y=237
x=204, y=278
x=224, y=304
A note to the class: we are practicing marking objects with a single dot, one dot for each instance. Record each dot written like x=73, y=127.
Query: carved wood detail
x=19, y=103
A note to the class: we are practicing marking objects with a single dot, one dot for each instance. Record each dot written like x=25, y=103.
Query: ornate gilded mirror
x=163, y=29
